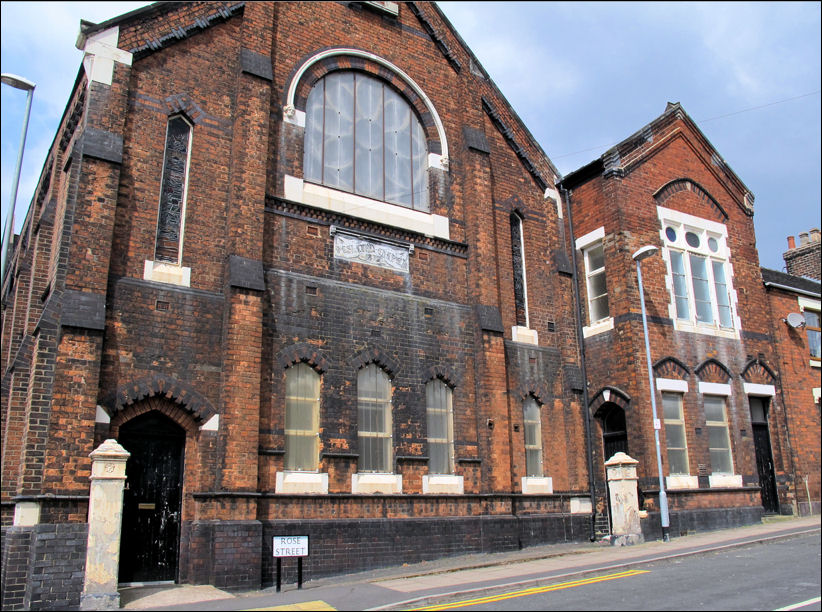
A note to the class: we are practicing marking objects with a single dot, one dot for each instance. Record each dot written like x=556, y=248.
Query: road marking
x=305, y=605
x=532, y=591
x=801, y=604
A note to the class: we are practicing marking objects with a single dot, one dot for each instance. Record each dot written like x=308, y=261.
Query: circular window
x=670, y=233
x=713, y=245
x=692, y=239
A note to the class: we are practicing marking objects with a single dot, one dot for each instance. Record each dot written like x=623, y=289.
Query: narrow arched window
x=533, y=438
x=302, y=418
x=171, y=215
x=374, y=414
x=440, y=419
x=361, y=136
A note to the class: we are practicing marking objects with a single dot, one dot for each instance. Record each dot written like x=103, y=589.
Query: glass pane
x=338, y=169
x=533, y=462
x=368, y=146
x=811, y=318
x=596, y=258
x=721, y=461
x=680, y=286
x=531, y=410
x=670, y=233
x=397, y=148
x=815, y=343
x=722, y=301
x=714, y=408
x=302, y=385
x=439, y=458
x=313, y=155
x=596, y=284
x=677, y=461
x=717, y=436
x=672, y=406
x=702, y=292
x=419, y=152
x=675, y=435
x=599, y=308
x=692, y=239
x=757, y=410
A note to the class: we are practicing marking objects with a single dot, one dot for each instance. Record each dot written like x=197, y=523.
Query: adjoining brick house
x=307, y=265
x=716, y=372
x=794, y=305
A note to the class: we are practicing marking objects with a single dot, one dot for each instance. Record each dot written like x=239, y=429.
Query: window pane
x=338, y=169
x=313, y=155
x=596, y=258
x=596, y=284
x=374, y=415
x=812, y=319
x=702, y=292
x=599, y=308
x=714, y=408
x=722, y=301
x=717, y=436
x=721, y=461
x=678, y=461
x=302, y=408
x=680, y=285
x=173, y=190
x=419, y=151
x=533, y=437
x=675, y=435
x=440, y=427
x=397, y=148
x=815, y=343
x=368, y=152
x=672, y=406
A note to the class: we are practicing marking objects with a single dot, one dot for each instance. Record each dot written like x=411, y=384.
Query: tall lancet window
x=518, y=260
x=171, y=215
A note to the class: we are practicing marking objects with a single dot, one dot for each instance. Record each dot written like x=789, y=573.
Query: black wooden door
x=152, y=499
x=764, y=466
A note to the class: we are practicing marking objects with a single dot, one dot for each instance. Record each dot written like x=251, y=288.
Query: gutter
x=792, y=289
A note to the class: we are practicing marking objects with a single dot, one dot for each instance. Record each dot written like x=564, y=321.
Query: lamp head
x=17, y=82
x=644, y=252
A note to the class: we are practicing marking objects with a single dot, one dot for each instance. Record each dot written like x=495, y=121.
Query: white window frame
x=806, y=304
x=719, y=477
x=678, y=422
x=584, y=244
x=537, y=471
x=439, y=405
x=705, y=229
x=388, y=429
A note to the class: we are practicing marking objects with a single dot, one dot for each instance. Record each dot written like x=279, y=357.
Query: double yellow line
x=532, y=591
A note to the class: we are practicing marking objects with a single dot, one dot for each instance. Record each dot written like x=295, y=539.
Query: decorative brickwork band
x=303, y=353
x=160, y=385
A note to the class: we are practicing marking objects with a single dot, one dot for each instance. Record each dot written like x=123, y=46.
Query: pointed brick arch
x=538, y=390
x=671, y=367
x=686, y=184
x=712, y=370
x=758, y=372
x=187, y=399
x=375, y=355
x=612, y=395
x=303, y=353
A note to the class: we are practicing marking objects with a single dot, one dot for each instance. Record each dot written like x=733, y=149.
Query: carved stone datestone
x=105, y=514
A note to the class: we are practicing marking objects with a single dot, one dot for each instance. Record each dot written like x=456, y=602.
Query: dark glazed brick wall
x=690, y=521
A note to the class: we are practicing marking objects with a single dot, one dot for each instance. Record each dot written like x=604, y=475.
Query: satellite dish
x=796, y=319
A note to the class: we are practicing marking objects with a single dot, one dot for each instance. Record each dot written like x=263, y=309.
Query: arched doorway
x=764, y=457
x=614, y=432
x=150, y=542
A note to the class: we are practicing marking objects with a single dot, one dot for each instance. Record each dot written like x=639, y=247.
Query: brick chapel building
x=305, y=263
x=724, y=445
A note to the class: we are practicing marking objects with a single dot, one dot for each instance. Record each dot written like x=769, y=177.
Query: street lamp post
x=643, y=253
x=8, y=230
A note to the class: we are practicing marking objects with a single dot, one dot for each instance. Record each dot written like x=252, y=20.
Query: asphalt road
x=778, y=575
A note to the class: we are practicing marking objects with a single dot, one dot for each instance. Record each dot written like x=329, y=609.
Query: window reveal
x=173, y=191
x=361, y=136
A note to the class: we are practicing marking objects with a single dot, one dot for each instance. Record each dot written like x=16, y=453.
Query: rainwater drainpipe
x=566, y=195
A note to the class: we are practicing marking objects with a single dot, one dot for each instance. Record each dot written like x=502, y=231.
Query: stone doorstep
x=159, y=596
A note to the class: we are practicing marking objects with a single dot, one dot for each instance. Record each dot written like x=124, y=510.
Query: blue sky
x=582, y=76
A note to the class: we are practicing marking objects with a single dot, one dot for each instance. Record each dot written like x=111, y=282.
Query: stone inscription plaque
x=370, y=252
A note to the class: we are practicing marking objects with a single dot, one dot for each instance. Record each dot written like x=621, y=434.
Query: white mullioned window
x=595, y=283
x=814, y=334
x=697, y=254
x=302, y=418
x=363, y=137
x=675, y=440
x=533, y=438
x=440, y=419
x=719, y=441
x=375, y=422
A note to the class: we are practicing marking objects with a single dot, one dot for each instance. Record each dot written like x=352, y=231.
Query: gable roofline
x=612, y=157
x=788, y=282
x=498, y=93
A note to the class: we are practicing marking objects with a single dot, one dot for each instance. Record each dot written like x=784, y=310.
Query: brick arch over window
x=686, y=184
x=183, y=395
x=714, y=371
x=539, y=391
x=757, y=371
x=444, y=373
x=303, y=353
x=612, y=395
x=375, y=355
x=671, y=367
x=315, y=67
x=182, y=104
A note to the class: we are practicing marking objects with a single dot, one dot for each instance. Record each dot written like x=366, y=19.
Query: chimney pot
x=815, y=234
x=803, y=238
x=791, y=243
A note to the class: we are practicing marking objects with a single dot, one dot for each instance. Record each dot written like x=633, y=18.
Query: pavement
x=413, y=585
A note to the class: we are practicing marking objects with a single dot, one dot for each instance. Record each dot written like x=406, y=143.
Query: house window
x=595, y=283
x=302, y=418
x=533, y=438
x=697, y=255
x=374, y=414
x=719, y=442
x=171, y=215
x=361, y=136
x=440, y=417
x=675, y=434
x=813, y=331
x=518, y=261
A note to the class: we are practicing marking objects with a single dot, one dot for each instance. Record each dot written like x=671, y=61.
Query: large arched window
x=361, y=136
x=302, y=418
x=374, y=413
